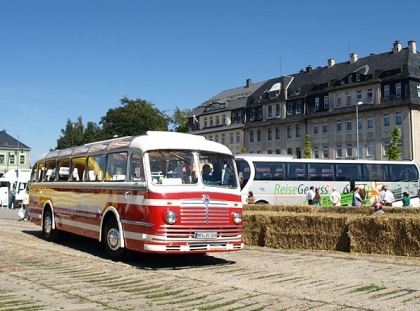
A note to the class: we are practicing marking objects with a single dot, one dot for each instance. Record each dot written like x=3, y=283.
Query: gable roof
x=9, y=142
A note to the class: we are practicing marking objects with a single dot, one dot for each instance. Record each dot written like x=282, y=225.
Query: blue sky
x=63, y=59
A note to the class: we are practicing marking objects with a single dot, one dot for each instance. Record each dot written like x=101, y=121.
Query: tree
x=307, y=150
x=135, y=117
x=394, y=151
x=180, y=120
x=72, y=135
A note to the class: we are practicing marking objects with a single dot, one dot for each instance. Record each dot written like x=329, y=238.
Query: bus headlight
x=171, y=217
x=237, y=218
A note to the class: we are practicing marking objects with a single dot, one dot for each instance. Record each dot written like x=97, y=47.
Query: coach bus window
x=63, y=169
x=377, y=172
x=244, y=171
x=222, y=170
x=95, y=167
x=116, y=166
x=403, y=173
x=320, y=171
x=296, y=171
x=50, y=167
x=77, y=168
x=347, y=172
x=136, y=167
x=278, y=171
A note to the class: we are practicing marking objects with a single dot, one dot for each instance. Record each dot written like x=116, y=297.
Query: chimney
x=309, y=69
x=412, y=46
x=331, y=62
x=397, y=46
x=248, y=82
x=353, y=58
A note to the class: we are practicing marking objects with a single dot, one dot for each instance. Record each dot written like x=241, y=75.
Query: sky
x=63, y=59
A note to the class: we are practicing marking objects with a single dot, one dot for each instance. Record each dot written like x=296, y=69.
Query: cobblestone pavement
x=74, y=274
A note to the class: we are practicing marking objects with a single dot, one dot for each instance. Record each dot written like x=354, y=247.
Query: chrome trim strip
x=138, y=223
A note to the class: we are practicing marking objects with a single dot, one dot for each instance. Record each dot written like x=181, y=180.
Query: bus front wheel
x=50, y=234
x=112, y=241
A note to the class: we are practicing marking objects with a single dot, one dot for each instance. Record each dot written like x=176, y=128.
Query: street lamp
x=357, y=127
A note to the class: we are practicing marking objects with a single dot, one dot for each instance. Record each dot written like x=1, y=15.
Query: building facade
x=13, y=153
x=365, y=97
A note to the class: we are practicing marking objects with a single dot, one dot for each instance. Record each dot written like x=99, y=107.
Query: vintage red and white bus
x=142, y=193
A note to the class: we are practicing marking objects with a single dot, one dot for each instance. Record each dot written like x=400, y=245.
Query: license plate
x=205, y=235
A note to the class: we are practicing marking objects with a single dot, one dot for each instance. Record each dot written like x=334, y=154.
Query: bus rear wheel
x=50, y=234
x=112, y=241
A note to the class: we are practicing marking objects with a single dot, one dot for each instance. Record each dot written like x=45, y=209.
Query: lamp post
x=357, y=127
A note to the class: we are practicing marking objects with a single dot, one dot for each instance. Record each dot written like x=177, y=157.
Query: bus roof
x=152, y=140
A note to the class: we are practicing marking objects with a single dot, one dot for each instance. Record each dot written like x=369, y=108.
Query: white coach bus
x=281, y=179
x=142, y=193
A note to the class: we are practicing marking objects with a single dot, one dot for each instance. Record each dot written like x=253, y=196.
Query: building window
x=338, y=101
x=217, y=120
x=349, y=150
x=348, y=96
x=269, y=151
x=205, y=122
x=386, y=145
x=370, y=122
x=299, y=107
x=398, y=90
x=270, y=134
x=359, y=96
x=252, y=114
x=277, y=110
x=326, y=102
x=297, y=130
x=289, y=131
x=217, y=138
x=211, y=121
x=358, y=77
x=316, y=103
x=1, y=158
x=289, y=108
x=239, y=116
x=350, y=79
x=398, y=118
x=338, y=129
x=251, y=136
x=326, y=153
x=223, y=139
x=360, y=152
x=211, y=137
x=348, y=124
x=339, y=151
x=270, y=111
x=232, y=138
x=277, y=132
x=371, y=149
x=324, y=127
x=386, y=119
x=418, y=90
x=316, y=152
x=238, y=137
x=386, y=91
x=315, y=128
x=259, y=113
x=21, y=159
x=359, y=123
x=233, y=117
x=258, y=135
x=369, y=95
x=277, y=151
x=289, y=151
x=11, y=159
x=224, y=119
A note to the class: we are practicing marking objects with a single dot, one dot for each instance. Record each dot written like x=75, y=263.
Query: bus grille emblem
x=206, y=199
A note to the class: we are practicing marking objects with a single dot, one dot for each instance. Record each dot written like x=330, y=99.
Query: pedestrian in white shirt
x=335, y=197
x=310, y=196
x=388, y=197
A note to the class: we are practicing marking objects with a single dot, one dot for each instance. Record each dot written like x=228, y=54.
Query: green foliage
x=180, y=120
x=135, y=117
x=307, y=150
x=394, y=151
x=72, y=135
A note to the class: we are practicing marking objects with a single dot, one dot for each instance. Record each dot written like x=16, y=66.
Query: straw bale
x=385, y=234
x=254, y=228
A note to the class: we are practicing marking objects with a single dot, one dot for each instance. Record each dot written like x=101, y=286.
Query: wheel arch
x=111, y=212
x=48, y=205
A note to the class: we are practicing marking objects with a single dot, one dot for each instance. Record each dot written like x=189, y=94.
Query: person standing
x=250, y=198
x=310, y=196
x=335, y=197
x=388, y=197
x=317, y=198
x=357, y=199
x=12, y=198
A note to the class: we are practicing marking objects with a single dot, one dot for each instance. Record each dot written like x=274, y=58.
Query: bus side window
x=77, y=169
x=50, y=170
x=136, y=167
x=116, y=166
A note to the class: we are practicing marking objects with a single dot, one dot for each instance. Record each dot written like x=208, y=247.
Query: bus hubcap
x=113, y=239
